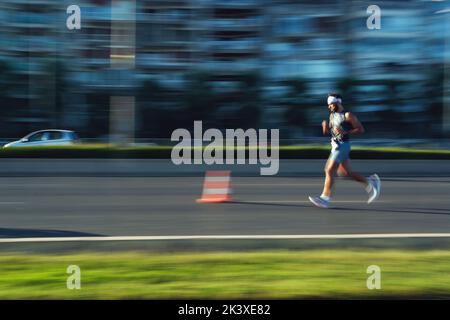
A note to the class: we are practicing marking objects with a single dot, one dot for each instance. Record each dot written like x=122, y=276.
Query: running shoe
x=377, y=181
x=319, y=202
x=374, y=189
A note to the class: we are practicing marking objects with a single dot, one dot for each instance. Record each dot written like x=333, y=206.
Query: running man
x=342, y=124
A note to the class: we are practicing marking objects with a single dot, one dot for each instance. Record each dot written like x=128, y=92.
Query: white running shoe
x=319, y=202
x=377, y=181
x=375, y=188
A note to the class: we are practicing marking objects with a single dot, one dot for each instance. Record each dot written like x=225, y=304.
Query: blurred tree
x=53, y=89
x=10, y=85
x=99, y=103
x=6, y=85
x=249, y=113
x=150, y=91
x=346, y=87
x=392, y=93
x=251, y=81
x=155, y=118
x=391, y=118
x=199, y=98
x=295, y=103
x=434, y=91
x=6, y=72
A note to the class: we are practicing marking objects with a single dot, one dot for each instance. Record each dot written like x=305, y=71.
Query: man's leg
x=346, y=170
x=330, y=169
x=324, y=199
x=372, y=184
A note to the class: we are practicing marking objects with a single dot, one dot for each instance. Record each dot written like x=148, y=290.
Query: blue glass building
x=395, y=78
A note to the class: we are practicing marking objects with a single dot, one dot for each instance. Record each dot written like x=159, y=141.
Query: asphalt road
x=150, y=206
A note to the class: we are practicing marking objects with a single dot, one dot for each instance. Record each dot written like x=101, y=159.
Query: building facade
x=289, y=54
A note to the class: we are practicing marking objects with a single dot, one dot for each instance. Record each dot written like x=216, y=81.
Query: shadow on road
x=32, y=233
x=405, y=210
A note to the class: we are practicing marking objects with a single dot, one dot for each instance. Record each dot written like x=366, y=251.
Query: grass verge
x=277, y=274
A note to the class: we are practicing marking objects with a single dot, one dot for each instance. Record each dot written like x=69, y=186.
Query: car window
x=45, y=136
x=36, y=137
x=55, y=135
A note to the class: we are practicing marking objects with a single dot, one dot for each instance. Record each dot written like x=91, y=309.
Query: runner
x=342, y=124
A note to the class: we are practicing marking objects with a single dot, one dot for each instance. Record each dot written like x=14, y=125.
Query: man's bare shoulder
x=349, y=115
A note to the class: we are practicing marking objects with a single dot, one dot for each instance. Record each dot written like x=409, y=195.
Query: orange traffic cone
x=217, y=187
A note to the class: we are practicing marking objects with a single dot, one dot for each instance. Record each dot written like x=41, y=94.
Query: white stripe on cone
x=217, y=191
x=217, y=179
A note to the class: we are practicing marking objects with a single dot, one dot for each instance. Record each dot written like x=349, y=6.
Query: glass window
x=383, y=46
x=55, y=135
x=292, y=25
x=45, y=136
x=400, y=23
x=36, y=137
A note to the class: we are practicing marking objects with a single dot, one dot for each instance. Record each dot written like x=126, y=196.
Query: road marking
x=229, y=237
x=7, y=203
x=303, y=201
x=270, y=185
x=34, y=185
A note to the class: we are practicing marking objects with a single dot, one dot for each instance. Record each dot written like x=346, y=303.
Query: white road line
x=278, y=185
x=305, y=201
x=11, y=203
x=229, y=237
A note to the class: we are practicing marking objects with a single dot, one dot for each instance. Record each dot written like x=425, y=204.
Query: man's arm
x=357, y=126
x=325, y=127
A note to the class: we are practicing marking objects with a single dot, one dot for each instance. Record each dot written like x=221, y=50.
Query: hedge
x=164, y=152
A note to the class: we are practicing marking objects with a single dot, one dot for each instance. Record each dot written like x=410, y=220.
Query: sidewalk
x=144, y=167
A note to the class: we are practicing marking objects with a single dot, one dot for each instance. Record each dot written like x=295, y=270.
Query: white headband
x=332, y=99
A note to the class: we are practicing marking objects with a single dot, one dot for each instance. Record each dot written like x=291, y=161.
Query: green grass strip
x=228, y=275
